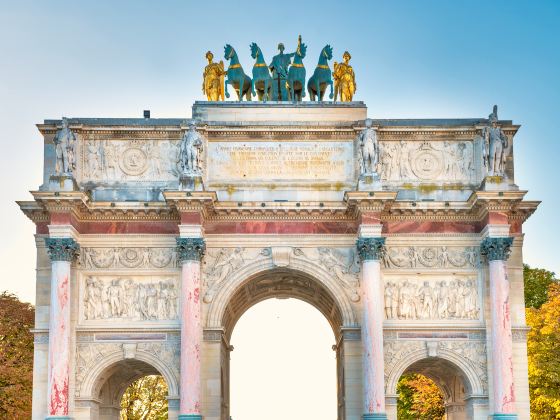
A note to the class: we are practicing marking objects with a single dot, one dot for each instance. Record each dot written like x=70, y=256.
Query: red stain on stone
x=58, y=405
x=279, y=227
x=429, y=227
x=371, y=218
x=62, y=292
x=129, y=227
x=190, y=218
x=196, y=294
x=497, y=218
x=42, y=228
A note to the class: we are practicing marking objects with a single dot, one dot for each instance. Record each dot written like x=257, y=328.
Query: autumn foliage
x=543, y=349
x=145, y=399
x=16, y=357
x=419, y=398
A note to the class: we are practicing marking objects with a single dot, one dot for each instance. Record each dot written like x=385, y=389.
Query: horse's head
x=327, y=52
x=229, y=52
x=255, y=50
x=302, y=50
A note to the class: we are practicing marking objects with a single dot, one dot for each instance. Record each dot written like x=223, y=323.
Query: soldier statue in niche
x=495, y=146
x=65, y=149
x=190, y=152
x=369, y=148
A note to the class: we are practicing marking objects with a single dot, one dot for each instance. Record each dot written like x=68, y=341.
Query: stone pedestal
x=497, y=252
x=62, y=183
x=190, y=251
x=369, y=182
x=61, y=251
x=191, y=183
x=497, y=183
x=370, y=250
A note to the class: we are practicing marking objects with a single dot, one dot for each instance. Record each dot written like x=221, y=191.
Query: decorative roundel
x=130, y=257
x=427, y=164
x=428, y=257
x=160, y=257
x=134, y=161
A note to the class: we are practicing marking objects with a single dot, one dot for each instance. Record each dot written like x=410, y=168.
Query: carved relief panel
x=432, y=297
x=127, y=258
x=128, y=283
x=133, y=160
x=428, y=161
x=129, y=297
x=432, y=257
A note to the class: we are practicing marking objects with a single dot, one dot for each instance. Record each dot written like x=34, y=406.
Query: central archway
x=284, y=282
x=283, y=365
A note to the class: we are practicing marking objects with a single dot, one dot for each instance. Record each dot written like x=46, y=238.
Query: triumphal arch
x=155, y=235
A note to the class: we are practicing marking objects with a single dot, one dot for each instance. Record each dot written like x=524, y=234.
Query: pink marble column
x=62, y=251
x=370, y=250
x=497, y=251
x=190, y=252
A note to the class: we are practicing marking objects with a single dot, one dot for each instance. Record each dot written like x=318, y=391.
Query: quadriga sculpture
x=236, y=77
x=262, y=80
x=296, y=74
x=322, y=76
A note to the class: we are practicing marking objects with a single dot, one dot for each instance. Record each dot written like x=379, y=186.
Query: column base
x=190, y=417
x=58, y=418
x=504, y=416
x=375, y=416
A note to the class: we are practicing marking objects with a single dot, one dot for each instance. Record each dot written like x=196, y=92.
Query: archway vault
x=116, y=364
x=438, y=369
x=301, y=279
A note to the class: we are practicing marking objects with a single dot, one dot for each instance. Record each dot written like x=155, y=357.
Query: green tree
x=16, y=357
x=537, y=281
x=145, y=399
x=543, y=350
x=419, y=398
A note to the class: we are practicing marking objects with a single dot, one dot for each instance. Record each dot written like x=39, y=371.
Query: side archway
x=463, y=387
x=106, y=378
x=453, y=361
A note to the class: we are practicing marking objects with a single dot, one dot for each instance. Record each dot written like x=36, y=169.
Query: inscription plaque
x=257, y=162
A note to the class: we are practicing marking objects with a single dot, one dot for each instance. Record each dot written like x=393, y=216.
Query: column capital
x=371, y=248
x=496, y=248
x=190, y=249
x=62, y=249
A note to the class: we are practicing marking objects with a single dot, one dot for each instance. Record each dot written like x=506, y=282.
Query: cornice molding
x=206, y=204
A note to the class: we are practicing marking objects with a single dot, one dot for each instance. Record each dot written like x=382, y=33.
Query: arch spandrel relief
x=94, y=360
x=220, y=263
x=225, y=270
x=469, y=358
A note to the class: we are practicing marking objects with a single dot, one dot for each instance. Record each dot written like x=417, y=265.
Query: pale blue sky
x=412, y=59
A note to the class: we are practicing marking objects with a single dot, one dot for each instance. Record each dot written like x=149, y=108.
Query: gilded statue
x=213, y=79
x=344, y=79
